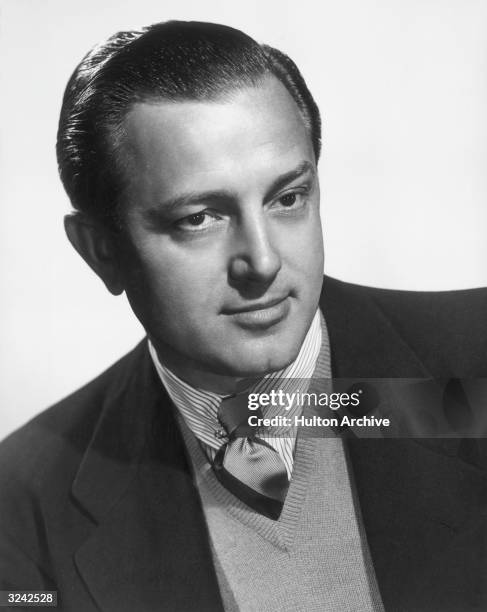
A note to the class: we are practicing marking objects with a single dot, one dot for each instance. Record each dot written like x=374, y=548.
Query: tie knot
x=234, y=415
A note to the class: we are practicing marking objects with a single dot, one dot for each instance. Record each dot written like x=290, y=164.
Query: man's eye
x=292, y=201
x=198, y=221
x=289, y=199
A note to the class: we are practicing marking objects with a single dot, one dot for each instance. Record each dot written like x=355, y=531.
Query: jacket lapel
x=423, y=502
x=149, y=535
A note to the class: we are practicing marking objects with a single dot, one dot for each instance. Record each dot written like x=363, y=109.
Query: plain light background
x=402, y=86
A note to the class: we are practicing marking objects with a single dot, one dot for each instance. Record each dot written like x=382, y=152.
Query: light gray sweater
x=314, y=558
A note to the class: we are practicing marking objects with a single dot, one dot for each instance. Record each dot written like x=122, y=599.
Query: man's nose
x=254, y=256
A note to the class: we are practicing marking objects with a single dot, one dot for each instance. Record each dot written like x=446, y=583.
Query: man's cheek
x=183, y=298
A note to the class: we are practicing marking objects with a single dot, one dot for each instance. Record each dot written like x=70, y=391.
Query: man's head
x=190, y=153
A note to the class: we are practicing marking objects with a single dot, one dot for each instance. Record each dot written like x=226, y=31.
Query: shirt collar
x=199, y=407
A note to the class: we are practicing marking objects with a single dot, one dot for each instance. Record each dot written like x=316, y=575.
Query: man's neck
x=197, y=376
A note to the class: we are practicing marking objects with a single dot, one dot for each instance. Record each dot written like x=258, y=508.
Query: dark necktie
x=247, y=465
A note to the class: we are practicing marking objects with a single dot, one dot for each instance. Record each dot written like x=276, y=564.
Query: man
x=189, y=153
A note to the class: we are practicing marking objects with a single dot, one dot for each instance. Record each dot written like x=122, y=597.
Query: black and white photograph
x=244, y=317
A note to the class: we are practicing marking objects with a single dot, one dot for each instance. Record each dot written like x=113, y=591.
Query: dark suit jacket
x=96, y=499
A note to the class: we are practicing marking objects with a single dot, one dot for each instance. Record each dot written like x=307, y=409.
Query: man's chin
x=258, y=357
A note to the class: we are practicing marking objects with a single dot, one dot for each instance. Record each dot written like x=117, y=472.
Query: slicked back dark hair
x=173, y=61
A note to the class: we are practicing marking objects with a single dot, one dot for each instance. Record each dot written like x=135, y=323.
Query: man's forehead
x=267, y=104
x=193, y=137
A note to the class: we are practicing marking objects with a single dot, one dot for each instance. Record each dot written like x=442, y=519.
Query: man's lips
x=261, y=314
x=262, y=305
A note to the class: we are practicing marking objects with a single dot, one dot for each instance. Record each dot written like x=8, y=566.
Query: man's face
x=223, y=259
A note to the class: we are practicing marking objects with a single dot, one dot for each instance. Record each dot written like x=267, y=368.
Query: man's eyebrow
x=222, y=196
x=303, y=168
x=191, y=198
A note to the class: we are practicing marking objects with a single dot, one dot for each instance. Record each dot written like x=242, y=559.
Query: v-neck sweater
x=315, y=557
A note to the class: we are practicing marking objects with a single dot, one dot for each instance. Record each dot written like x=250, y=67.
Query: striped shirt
x=199, y=407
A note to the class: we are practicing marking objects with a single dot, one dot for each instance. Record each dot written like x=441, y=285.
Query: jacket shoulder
x=445, y=329
x=52, y=443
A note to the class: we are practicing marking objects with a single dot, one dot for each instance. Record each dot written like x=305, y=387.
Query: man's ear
x=97, y=246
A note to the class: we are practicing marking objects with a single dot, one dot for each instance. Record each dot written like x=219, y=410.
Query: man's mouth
x=262, y=314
